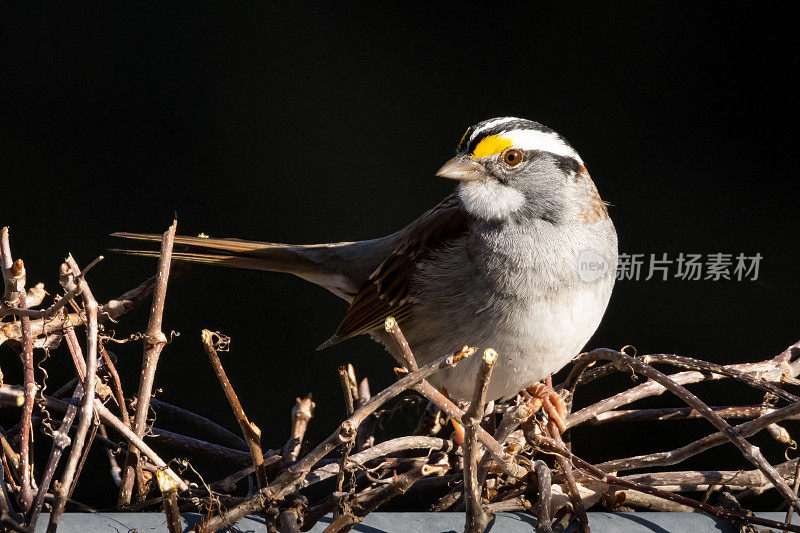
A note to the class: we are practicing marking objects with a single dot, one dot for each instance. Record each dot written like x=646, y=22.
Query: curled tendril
x=629, y=350
x=791, y=447
x=222, y=343
x=47, y=420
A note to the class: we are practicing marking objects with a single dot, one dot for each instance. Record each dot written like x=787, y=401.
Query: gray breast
x=514, y=289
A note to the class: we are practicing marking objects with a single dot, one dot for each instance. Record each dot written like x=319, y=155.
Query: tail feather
x=335, y=339
x=227, y=244
x=249, y=263
x=342, y=268
x=327, y=265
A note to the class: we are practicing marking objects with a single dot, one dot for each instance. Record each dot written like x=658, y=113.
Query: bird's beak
x=462, y=168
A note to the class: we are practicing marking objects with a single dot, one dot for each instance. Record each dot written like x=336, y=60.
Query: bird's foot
x=547, y=399
x=458, y=434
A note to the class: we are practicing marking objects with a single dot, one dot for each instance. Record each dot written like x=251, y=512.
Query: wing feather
x=386, y=291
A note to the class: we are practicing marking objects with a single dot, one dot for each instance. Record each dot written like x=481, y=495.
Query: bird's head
x=513, y=168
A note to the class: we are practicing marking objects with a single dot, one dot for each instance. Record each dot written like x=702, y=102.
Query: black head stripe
x=464, y=138
x=568, y=165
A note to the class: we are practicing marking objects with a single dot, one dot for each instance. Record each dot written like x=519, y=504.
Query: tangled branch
x=512, y=457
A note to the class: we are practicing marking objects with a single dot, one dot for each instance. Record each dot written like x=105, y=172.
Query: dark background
x=315, y=124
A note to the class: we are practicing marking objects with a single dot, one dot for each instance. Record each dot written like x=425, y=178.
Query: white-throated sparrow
x=520, y=258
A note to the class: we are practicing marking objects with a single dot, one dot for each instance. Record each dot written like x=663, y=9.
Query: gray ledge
x=414, y=522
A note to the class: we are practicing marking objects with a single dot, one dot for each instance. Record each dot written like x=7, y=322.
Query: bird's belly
x=533, y=337
x=518, y=292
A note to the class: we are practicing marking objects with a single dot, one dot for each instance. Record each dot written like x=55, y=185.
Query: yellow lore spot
x=493, y=144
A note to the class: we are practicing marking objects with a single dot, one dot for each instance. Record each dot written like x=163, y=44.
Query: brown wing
x=386, y=291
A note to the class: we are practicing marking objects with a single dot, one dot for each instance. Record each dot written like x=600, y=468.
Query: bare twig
x=9, y=524
x=349, y=390
x=431, y=421
x=544, y=484
x=608, y=479
x=348, y=384
x=5, y=504
x=295, y=474
x=86, y=413
x=9, y=395
x=510, y=505
x=648, y=502
x=288, y=521
x=501, y=469
x=169, y=493
x=154, y=341
x=380, y=450
x=46, y=332
x=699, y=480
x=393, y=328
x=219, y=433
x=14, y=279
x=750, y=379
x=680, y=413
x=750, y=452
x=251, y=432
x=29, y=383
x=779, y=433
x=504, y=460
x=302, y=412
x=60, y=442
x=87, y=447
x=678, y=455
x=228, y=483
x=315, y=512
x=572, y=487
x=477, y=518
x=114, y=469
x=768, y=371
x=24, y=304
x=202, y=447
x=365, y=437
x=10, y=292
x=795, y=487
x=738, y=372
x=17, y=398
x=6, y=507
x=109, y=418
x=117, y=388
x=113, y=309
x=573, y=490
x=512, y=419
x=370, y=499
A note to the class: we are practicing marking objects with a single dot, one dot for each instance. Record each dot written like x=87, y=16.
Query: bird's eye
x=512, y=157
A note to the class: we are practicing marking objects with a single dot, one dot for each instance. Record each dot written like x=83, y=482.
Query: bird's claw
x=546, y=398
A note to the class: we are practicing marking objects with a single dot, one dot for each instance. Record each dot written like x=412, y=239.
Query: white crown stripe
x=542, y=141
x=527, y=139
x=491, y=124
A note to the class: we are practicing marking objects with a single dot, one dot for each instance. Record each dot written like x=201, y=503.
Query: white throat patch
x=489, y=199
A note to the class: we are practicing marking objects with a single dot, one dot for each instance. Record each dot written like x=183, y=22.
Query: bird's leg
x=458, y=435
x=546, y=398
